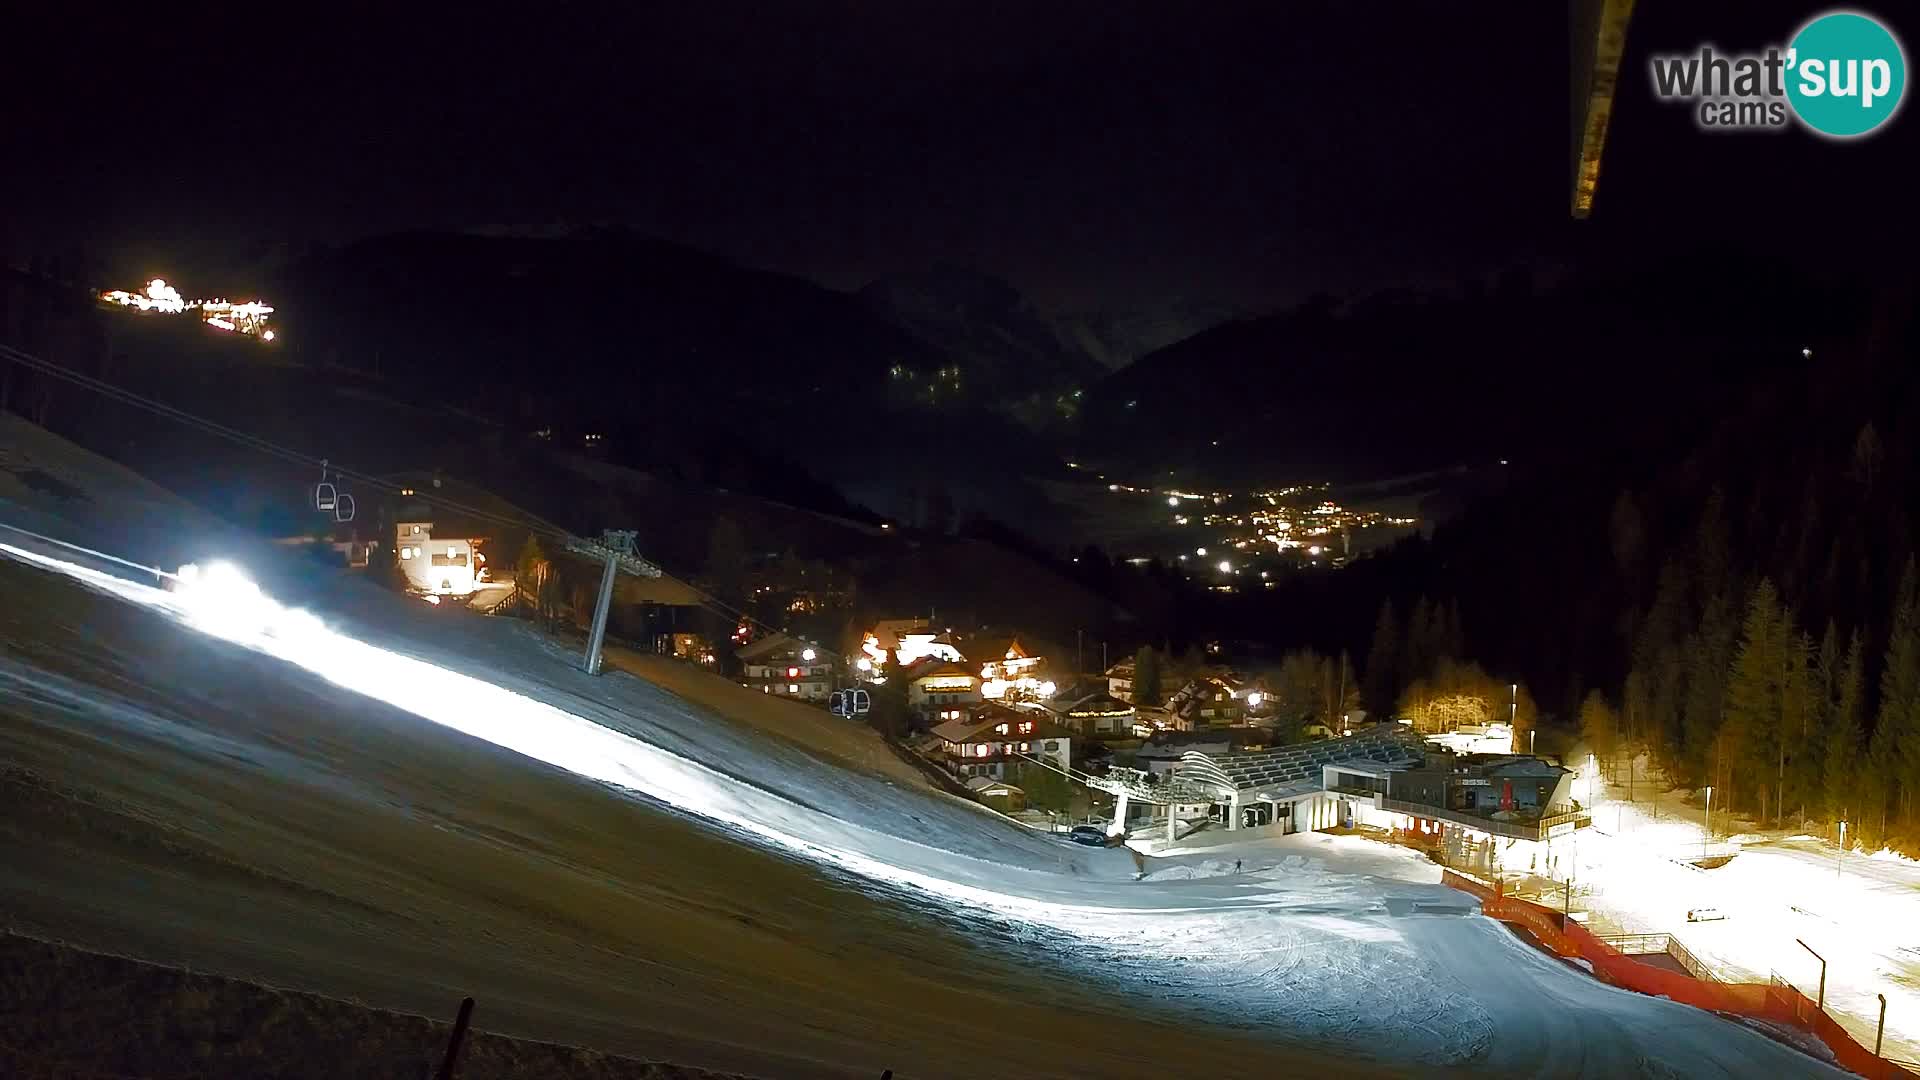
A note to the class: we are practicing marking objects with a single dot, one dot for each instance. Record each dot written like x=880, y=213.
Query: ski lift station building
x=1388, y=776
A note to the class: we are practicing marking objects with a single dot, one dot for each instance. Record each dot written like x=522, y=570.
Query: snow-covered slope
x=404, y=803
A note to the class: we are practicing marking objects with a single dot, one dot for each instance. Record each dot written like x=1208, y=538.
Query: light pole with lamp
x=1513, y=713
x=1706, y=830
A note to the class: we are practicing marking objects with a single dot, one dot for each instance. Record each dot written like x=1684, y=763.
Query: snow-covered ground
x=873, y=922
x=1860, y=912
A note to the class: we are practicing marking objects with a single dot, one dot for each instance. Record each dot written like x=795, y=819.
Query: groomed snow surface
x=643, y=875
x=1860, y=912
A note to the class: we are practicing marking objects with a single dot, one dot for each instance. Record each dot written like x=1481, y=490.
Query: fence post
x=1881, y=1031
x=1823, y=972
x=455, y=1040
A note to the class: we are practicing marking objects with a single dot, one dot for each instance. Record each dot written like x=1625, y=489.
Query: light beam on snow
x=220, y=600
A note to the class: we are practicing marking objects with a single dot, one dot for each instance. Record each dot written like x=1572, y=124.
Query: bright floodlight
x=807, y=655
x=1226, y=567
x=1173, y=500
x=1202, y=552
x=1254, y=699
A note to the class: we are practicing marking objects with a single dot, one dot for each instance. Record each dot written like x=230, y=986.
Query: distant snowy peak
x=986, y=324
x=1118, y=338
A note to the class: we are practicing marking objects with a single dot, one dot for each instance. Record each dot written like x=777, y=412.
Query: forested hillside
x=1738, y=596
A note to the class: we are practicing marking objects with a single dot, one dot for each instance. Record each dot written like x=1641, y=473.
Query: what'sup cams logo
x=1843, y=75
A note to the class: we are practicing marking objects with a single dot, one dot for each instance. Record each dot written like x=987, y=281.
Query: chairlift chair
x=837, y=703
x=325, y=498
x=343, y=507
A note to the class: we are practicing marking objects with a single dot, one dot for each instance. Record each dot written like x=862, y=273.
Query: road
x=604, y=863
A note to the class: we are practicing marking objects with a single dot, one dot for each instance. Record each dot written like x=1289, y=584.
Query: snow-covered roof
x=1175, y=751
x=982, y=784
x=769, y=646
x=1097, y=702
x=1521, y=765
x=933, y=666
x=983, y=722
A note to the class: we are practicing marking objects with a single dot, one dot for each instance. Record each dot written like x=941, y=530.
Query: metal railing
x=1518, y=830
x=1655, y=944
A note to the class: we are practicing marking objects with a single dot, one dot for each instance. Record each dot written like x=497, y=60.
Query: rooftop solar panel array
x=1294, y=764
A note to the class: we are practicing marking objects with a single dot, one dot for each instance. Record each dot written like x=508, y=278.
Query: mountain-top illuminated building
x=247, y=317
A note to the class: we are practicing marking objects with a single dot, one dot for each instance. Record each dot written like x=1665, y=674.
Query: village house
x=693, y=648
x=1120, y=680
x=448, y=565
x=996, y=742
x=784, y=665
x=1096, y=714
x=896, y=645
x=941, y=690
x=1206, y=701
x=1008, y=670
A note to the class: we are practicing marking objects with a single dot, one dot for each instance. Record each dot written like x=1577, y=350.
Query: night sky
x=1097, y=155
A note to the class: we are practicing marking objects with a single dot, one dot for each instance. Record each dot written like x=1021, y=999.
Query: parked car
x=1090, y=835
x=1705, y=914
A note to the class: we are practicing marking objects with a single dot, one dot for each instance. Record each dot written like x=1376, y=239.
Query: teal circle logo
x=1846, y=74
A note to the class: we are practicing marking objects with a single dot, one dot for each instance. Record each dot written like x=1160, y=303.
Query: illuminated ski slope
x=1309, y=954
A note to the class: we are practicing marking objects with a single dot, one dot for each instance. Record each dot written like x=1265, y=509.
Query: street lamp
x=1707, y=829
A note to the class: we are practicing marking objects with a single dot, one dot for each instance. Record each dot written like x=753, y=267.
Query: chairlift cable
x=264, y=446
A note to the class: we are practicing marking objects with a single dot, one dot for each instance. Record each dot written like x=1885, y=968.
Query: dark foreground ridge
x=69, y=1013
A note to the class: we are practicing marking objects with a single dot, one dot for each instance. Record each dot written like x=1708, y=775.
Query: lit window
x=406, y=553
x=416, y=530
x=982, y=750
x=1026, y=727
x=793, y=688
x=1000, y=729
x=1026, y=748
